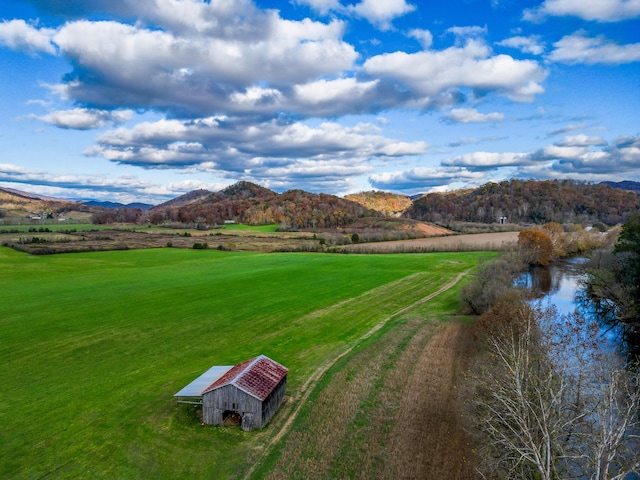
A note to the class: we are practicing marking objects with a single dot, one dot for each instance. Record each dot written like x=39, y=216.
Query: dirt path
x=291, y=410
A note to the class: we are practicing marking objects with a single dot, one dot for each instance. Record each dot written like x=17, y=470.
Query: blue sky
x=130, y=100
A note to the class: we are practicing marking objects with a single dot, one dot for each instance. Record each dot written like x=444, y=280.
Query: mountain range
x=518, y=201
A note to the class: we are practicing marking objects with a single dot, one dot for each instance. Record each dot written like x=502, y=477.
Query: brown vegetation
x=122, y=239
x=535, y=247
x=450, y=243
x=392, y=411
x=383, y=202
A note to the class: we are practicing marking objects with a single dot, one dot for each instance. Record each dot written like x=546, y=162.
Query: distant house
x=251, y=392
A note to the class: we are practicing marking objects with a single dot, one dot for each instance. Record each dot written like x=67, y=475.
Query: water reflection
x=561, y=284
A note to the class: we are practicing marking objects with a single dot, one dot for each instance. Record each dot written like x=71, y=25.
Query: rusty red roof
x=258, y=377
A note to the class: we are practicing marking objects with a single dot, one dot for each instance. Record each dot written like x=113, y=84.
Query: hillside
x=18, y=203
x=251, y=204
x=390, y=204
x=529, y=201
x=182, y=200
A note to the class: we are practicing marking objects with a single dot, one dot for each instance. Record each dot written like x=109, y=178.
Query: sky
x=145, y=100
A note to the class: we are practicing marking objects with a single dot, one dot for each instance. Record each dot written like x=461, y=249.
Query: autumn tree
x=535, y=247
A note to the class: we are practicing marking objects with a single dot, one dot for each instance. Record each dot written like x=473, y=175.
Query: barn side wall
x=272, y=402
x=216, y=402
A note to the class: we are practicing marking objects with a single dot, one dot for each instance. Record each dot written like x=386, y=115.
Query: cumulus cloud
x=531, y=44
x=487, y=160
x=465, y=33
x=327, y=157
x=381, y=12
x=574, y=156
x=425, y=37
x=422, y=178
x=123, y=188
x=581, y=141
x=323, y=7
x=430, y=73
x=85, y=118
x=339, y=96
x=594, y=10
x=191, y=58
x=19, y=35
x=580, y=49
x=471, y=115
x=251, y=68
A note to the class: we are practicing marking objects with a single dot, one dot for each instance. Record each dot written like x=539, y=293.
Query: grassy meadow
x=94, y=345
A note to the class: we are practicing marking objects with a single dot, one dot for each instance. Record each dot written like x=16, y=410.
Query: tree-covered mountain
x=529, y=201
x=248, y=203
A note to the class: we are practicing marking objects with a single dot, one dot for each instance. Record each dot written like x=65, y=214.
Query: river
x=560, y=284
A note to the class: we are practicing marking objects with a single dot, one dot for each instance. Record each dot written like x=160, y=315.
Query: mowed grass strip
x=93, y=347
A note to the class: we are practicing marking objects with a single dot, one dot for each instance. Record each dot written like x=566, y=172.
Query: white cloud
x=229, y=146
x=464, y=33
x=430, y=73
x=381, y=12
x=595, y=10
x=471, y=115
x=123, y=188
x=85, y=118
x=580, y=49
x=339, y=96
x=125, y=65
x=19, y=35
x=581, y=141
x=423, y=36
x=531, y=44
x=422, y=178
x=323, y=7
x=487, y=160
x=578, y=156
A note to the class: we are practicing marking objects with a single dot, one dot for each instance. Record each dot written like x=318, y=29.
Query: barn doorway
x=231, y=418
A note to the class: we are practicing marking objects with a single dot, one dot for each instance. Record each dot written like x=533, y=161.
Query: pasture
x=94, y=345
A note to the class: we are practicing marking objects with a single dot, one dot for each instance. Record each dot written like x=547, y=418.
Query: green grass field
x=93, y=347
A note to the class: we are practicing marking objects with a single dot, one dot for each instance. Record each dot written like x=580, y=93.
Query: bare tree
x=609, y=437
x=549, y=402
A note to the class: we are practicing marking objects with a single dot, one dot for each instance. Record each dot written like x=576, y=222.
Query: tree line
x=529, y=201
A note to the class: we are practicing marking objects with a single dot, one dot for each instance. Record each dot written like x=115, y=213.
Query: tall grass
x=93, y=347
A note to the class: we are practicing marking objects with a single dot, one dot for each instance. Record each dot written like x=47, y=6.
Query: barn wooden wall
x=255, y=414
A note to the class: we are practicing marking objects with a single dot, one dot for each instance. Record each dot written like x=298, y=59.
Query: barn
x=251, y=391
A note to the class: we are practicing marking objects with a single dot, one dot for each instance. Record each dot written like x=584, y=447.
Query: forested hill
x=245, y=202
x=383, y=202
x=529, y=201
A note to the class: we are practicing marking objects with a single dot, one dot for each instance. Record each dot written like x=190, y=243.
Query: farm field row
x=94, y=345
